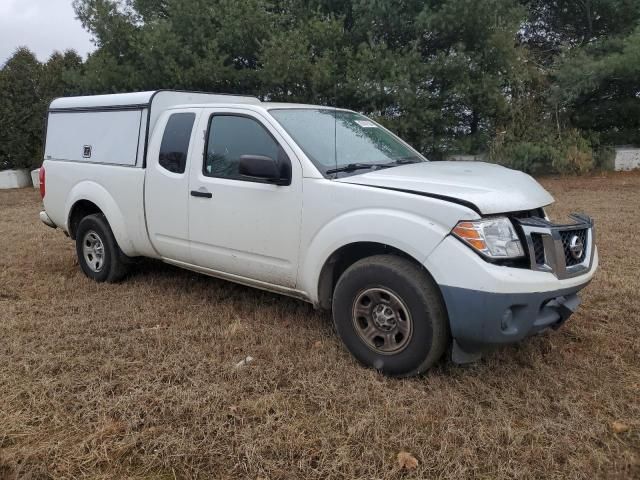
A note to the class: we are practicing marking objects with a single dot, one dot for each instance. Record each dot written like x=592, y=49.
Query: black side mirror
x=265, y=168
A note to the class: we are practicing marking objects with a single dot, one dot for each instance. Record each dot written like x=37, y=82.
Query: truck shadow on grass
x=145, y=269
x=300, y=318
x=183, y=292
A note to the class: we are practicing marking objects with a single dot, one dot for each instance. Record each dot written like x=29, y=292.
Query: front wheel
x=390, y=315
x=98, y=253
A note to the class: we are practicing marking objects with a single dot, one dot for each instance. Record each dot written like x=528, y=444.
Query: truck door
x=241, y=225
x=166, y=194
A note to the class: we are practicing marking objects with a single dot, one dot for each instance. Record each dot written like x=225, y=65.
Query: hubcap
x=93, y=251
x=382, y=320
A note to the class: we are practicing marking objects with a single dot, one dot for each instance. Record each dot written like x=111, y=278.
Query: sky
x=41, y=25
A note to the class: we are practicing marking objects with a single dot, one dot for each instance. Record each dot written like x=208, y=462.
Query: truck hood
x=488, y=187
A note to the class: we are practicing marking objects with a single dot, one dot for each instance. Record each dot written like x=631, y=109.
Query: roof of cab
x=281, y=105
x=265, y=106
x=141, y=99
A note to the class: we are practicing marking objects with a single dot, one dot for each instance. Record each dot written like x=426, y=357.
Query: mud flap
x=462, y=357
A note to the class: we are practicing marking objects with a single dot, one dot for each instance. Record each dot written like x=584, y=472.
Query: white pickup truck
x=321, y=204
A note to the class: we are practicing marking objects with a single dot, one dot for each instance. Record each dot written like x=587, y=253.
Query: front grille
x=567, y=236
x=565, y=250
x=538, y=248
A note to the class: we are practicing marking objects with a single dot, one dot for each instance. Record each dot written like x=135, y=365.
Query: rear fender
x=97, y=194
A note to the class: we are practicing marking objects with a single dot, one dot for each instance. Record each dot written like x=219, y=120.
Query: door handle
x=198, y=193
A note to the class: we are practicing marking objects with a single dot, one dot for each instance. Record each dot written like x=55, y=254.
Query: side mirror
x=265, y=168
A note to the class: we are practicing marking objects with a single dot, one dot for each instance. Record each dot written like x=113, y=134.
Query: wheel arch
x=345, y=256
x=78, y=211
x=88, y=198
x=363, y=232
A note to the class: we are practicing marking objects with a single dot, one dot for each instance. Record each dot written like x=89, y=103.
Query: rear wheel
x=389, y=313
x=98, y=252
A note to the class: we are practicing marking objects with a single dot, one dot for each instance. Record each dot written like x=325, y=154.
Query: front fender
x=412, y=234
x=97, y=194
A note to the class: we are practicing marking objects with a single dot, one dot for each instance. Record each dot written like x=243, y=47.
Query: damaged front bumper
x=482, y=320
x=490, y=305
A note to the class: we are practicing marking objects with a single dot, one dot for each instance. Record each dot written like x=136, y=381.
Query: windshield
x=344, y=143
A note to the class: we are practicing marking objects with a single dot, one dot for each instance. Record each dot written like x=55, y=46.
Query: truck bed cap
x=93, y=101
x=138, y=100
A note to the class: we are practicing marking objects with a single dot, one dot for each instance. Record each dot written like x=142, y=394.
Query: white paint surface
x=248, y=229
x=627, y=159
x=14, y=179
x=111, y=136
x=111, y=100
x=35, y=178
x=492, y=188
x=259, y=234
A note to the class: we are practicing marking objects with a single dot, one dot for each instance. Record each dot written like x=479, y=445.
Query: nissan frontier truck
x=413, y=258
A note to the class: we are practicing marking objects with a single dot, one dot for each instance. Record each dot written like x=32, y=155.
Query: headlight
x=492, y=237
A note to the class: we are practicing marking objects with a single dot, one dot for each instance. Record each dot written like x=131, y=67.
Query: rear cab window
x=175, y=142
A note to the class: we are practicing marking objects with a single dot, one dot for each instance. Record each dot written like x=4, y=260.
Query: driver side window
x=231, y=136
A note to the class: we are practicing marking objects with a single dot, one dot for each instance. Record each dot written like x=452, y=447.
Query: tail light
x=41, y=177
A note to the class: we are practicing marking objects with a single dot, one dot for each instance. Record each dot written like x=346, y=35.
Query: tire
x=390, y=315
x=98, y=252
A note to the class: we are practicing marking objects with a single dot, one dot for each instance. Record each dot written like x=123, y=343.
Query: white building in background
x=14, y=179
x=627, y=158
x=462, y=157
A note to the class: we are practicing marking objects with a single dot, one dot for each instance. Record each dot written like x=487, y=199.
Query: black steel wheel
x=382, y=320
x=390, y=315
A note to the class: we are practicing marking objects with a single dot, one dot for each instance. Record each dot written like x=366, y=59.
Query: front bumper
x=481, y=320
x=490, y=305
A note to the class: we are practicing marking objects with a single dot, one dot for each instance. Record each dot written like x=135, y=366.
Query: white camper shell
x=127, y=117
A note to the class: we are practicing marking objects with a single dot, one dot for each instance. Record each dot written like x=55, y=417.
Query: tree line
x=539, y=85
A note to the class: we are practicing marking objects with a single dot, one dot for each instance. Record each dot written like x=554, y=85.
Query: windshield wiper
x=351, y=167
x=396, y=163
x=403, y=161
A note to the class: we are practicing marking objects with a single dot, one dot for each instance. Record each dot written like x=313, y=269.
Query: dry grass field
x=137, y=379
